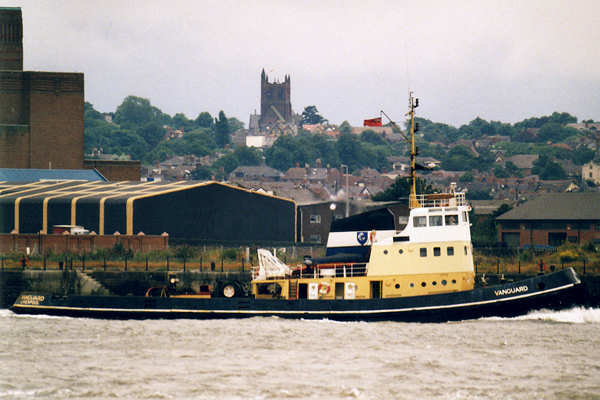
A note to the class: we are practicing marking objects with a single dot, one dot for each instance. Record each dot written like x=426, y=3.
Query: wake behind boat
x=424, y=272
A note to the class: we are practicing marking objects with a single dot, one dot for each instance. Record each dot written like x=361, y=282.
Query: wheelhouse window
x=437, y=252
x=423, y=251
x=466, y=216
x=435, y=220
x=451, y=219
x=419, y=222
x=450, y=250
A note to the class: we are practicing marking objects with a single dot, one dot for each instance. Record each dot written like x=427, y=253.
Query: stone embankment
x=69, y=282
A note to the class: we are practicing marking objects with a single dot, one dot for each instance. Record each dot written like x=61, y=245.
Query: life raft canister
x=324, y=288
x=372, y=236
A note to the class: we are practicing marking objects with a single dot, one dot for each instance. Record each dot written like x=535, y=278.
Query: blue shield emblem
x=361, y=237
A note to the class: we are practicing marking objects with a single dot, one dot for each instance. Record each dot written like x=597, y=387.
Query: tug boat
x=422, y=273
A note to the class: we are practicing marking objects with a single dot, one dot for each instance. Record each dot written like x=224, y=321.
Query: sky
x=497, y=60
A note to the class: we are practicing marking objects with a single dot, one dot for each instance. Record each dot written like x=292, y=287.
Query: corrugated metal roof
x=33, y=204
x=557, y=206
x=34, y=175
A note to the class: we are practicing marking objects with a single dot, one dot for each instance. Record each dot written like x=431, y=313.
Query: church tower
x=275, y=101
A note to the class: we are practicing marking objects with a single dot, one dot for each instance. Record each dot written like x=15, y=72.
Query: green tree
x=500, y=172
x=537, y=122
x=222, y=130
x=466, y=177
x=548, y=169
x=248, y=155
x=204, y=120
x=512, y=169
x=310, y=115
x=582, y=155
x=345, y=127
x=479, y=195
x=459, y=158
x=553, y=132
x=152, y=132
x=279, y=158
x=350, y=151
x=372, y=137
x=234, y=124
x=227, y=163
x=134, y=111
x=202, y=173
x=90, y=113
x=180, y=121
x=400, y=190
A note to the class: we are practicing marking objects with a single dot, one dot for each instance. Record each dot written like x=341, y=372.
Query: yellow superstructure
x=396, y=270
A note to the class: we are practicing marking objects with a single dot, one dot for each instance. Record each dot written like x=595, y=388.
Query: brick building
x=41, y=113
x=116, y=170
x=551, y=220
x=591, y=172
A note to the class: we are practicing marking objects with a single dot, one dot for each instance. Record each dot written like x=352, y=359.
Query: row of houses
x=212, y=211
x=307, y=185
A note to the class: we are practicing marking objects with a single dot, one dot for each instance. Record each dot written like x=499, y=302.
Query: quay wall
x=42, y=244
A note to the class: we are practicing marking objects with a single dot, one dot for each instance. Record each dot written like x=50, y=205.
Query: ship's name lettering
x=31, y=299
x=512, y=290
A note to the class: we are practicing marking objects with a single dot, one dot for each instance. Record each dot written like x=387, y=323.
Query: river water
x=544, y=355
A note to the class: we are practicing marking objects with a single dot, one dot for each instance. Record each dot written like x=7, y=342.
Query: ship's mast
x=412, y=200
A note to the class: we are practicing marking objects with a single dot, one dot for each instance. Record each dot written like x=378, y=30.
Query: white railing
x=329, y=271
x=442, y=200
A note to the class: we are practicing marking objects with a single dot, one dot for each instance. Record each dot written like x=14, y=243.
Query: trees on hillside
x=138, y=129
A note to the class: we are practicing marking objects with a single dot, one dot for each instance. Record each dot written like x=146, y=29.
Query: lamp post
x=332, y=207
x=347, y=194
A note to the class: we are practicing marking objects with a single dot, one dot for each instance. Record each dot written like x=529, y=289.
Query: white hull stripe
x=290, y=312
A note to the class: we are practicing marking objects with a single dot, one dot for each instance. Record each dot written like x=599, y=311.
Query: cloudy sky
x=499, y=60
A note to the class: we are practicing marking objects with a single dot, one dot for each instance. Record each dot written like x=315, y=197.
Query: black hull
x=553, y=291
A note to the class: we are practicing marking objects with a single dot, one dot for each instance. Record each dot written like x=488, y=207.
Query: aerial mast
x=412, y=200
x=414, y=127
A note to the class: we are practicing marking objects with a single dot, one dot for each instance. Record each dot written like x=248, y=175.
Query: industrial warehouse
x=185, y=210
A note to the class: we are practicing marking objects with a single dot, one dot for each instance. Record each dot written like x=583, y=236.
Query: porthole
x=434, y=283
x=412, y=285
x=400, y=251
x=397, y=286
x=423, y=284
x=385, y=252
x=453, y=281
x=444, y=282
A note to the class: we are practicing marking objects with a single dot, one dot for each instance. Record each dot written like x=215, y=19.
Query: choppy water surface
x=541, y=355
